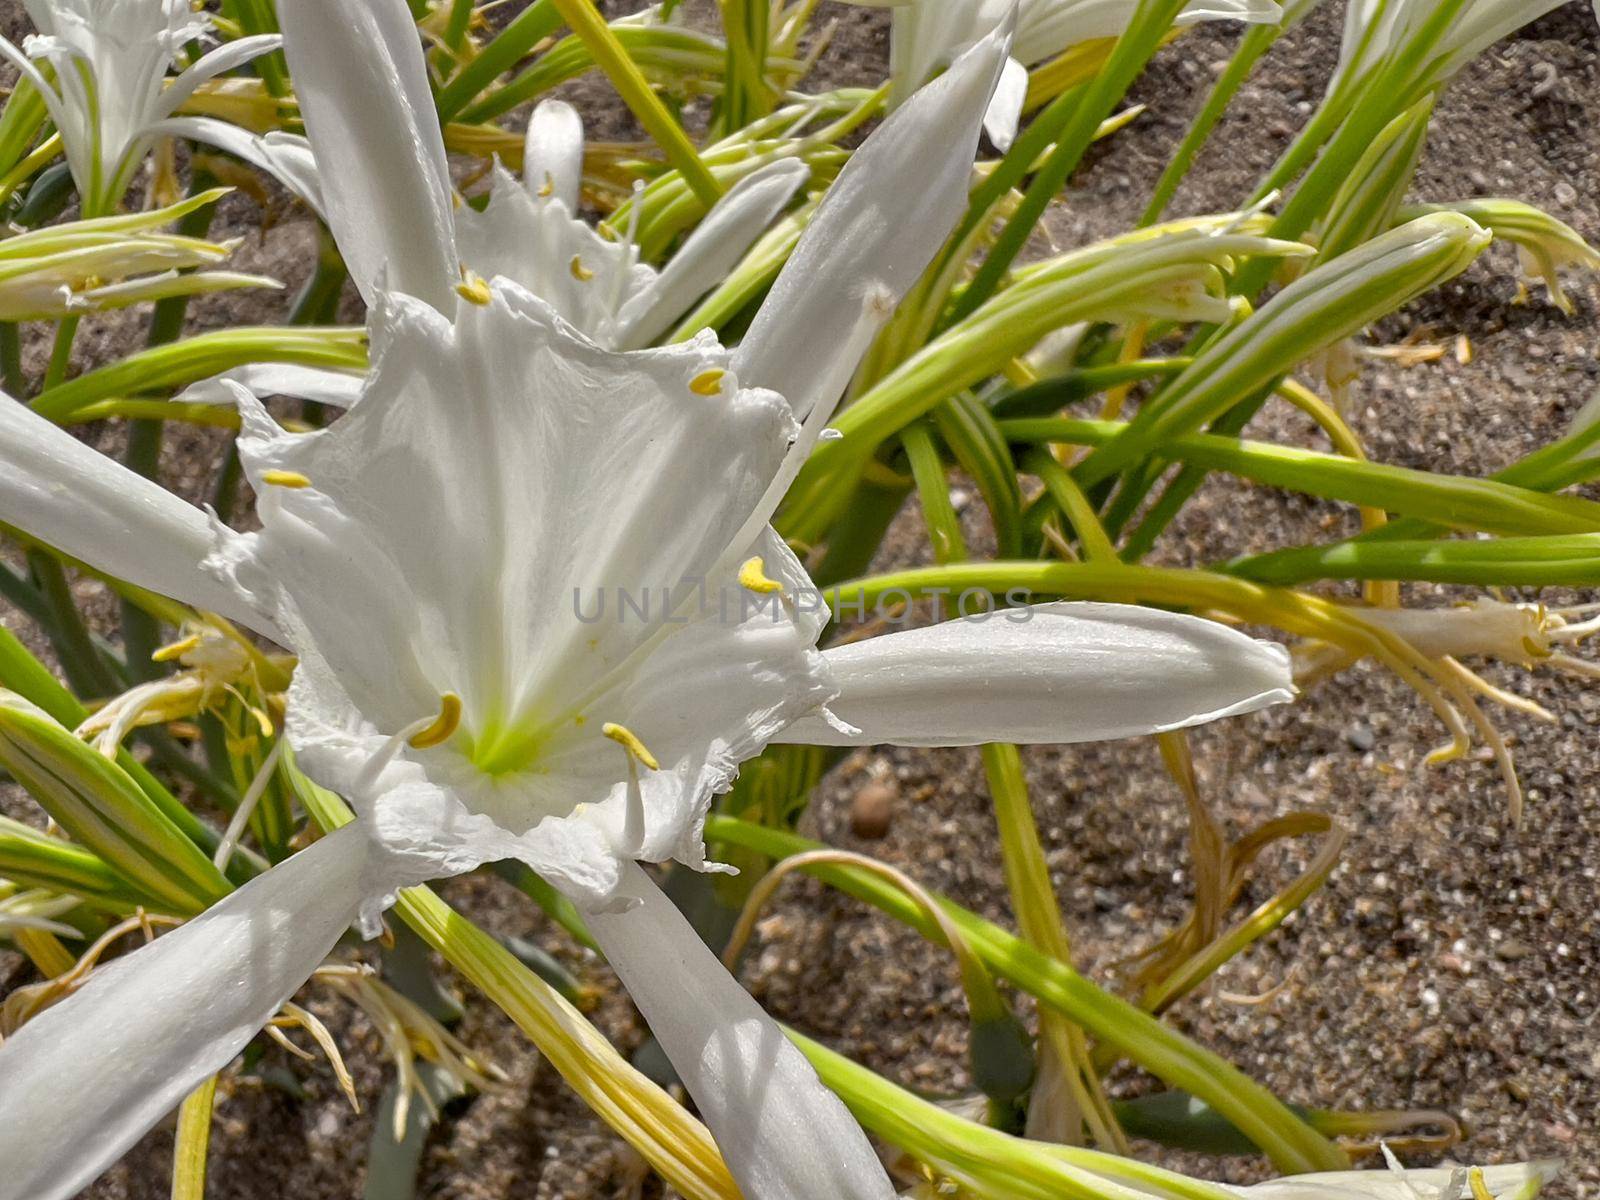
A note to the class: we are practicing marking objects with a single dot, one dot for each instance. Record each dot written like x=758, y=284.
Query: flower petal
x=784, y=1135
x=538, y=243
x=711, y=251
x=1045, y=674
x=1005, y=108
x=880, y=225
x=1432, y=1183
x=333, y=388
x=287, y=157
x=86, y=1078
x=552, y=154
x=1047, y=30
x=213, y=63
x=55, y=488
x=363, y=89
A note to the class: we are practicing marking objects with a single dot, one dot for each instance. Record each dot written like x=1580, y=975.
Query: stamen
x=284, y=479
x=753, y=575
x=630, y=742
x=548, y=187
x=579, y=272
x=441, y=730
x=707, y=383
x=176, y=649
x=386, y=753
x=633, y=816
x=474, y=289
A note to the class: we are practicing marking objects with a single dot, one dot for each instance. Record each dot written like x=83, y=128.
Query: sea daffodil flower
x=927, y=35
x=431, y=559
x=110, y=60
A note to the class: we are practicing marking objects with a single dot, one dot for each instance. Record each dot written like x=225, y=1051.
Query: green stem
x=11, y=373
x=1138, y=42
x=585, y=20
x=69, y=637
x=193, y=1141
x=1252, y=46
x=531, y=26
x=55, y=372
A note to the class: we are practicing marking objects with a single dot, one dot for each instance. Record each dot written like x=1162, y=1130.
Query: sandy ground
x=1451, y=962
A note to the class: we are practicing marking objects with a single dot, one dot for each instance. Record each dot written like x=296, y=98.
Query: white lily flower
x=110, y=60
x=927, y=35
x=434, y=558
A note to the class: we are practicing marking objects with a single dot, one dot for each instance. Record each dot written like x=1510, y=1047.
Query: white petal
x=1046, y=30
x=213, y=63
x=52, y=99
x=1431, y=1183
x=711, y=251
x=562, y=260
x=1256, y=12
x=363, y=90
x=553, y=153
x=287, y=157
x=1046, y=674
x=1005, y=109
x=85, y=1079
x=333, y=388
x=784, y=1135
x=880, y=225
x=55, y=488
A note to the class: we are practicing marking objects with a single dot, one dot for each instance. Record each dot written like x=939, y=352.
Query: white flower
x=927, y=35
x=433, y=559
x=110, y=60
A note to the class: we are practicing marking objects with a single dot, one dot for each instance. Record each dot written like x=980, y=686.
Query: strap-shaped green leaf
x=102, y=808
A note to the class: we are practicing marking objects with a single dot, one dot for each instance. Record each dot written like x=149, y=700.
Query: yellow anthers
x=1480, y=1189
x=579, y=272
x=548, y=187
x=474, y=289
x=753, y=575
x=284, y=479
x=707, y=383
x=441, y=730
x=630, y=742
x=175, y=650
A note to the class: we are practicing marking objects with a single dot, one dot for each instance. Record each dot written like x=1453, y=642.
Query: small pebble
x=1361, y=738
x=872, y=811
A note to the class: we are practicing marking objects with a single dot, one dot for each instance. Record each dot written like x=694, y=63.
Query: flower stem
x=194, y=1138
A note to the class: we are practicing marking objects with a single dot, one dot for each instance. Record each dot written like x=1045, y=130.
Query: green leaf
x=35, y=859
x=101, y=807
x=204, y=355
